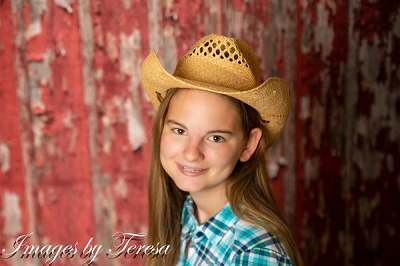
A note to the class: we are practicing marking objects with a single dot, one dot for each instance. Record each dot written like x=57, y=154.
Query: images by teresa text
x=127, y=245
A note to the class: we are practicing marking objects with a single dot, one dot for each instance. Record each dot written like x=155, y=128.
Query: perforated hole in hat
x=224, y=50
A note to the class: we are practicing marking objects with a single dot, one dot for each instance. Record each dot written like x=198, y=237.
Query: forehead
x=203, y=106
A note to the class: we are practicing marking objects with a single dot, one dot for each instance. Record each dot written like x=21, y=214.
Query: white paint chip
x=136, y=132
x=120, y=188
x=4, y=158
x=396, y=26
x=112, y=49
x=324, y=33
x=170, y=46
x=67, y=121
x=107, y=134
x=11, y=214
x=305, y=107
x=282, y=161
x=127, y=4
x=130, y=47
x=66, y=4
x=362, y=125
x=34, y=29
x=273, y=169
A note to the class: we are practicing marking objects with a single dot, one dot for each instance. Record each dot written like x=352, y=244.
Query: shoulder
x=262, y=256
x=253, y=245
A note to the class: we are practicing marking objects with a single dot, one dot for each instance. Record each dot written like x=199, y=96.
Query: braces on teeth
x=190, y=170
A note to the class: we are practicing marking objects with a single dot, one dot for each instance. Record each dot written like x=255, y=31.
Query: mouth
x=191, y=170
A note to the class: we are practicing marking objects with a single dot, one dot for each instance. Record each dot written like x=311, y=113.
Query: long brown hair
x=248, y=191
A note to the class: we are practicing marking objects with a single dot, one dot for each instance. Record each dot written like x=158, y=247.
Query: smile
x=191, y=170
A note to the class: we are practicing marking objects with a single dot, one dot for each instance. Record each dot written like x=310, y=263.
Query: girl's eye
x=217, y=139
x=179, y=131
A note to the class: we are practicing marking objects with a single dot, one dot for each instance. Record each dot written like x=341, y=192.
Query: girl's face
x=201, y=142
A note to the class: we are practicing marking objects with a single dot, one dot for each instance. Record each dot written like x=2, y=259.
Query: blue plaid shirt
x=226, y=240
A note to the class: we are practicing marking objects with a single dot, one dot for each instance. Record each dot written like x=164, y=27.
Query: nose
x=193, y=151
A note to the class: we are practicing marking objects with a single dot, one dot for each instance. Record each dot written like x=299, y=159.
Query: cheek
x=227, y=156
x=168, y=147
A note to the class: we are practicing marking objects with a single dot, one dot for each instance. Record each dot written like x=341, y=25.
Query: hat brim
x=271, y=99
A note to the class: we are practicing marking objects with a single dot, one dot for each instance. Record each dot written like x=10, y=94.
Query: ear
x=251, y=144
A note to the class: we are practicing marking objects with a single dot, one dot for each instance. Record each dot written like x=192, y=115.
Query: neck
x=209, y=205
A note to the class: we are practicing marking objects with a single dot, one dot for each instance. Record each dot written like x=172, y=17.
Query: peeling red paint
x=13, y=203
x=77, y=126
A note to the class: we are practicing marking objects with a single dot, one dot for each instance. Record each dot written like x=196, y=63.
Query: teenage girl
x=209, y=196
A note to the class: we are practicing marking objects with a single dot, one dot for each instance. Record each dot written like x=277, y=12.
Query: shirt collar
x=215, y=228
x=188, y=211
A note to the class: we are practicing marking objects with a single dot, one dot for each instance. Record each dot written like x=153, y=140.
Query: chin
x=187, y=187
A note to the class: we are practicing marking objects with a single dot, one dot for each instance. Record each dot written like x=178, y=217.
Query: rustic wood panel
x=75, y=122
x=348, y=96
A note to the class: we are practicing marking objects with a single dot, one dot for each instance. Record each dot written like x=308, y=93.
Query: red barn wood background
x=75, y=123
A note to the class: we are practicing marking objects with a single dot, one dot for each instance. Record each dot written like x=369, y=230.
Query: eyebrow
x=170, y=121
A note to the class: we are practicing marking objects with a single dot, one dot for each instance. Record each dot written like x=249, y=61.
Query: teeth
x=190, y=170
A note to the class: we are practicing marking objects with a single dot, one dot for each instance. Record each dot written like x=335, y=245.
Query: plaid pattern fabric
x=226, y=240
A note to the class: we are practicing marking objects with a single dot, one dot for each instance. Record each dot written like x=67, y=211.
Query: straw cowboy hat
x=226, y=66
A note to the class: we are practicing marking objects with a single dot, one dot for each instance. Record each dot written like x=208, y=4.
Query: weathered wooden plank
x=350, y=98
x=103, y=230
x=318, y=97
x=61, y=176
x=376, y=137
x=120, y=39
x=288, y=32
x=16, y=188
